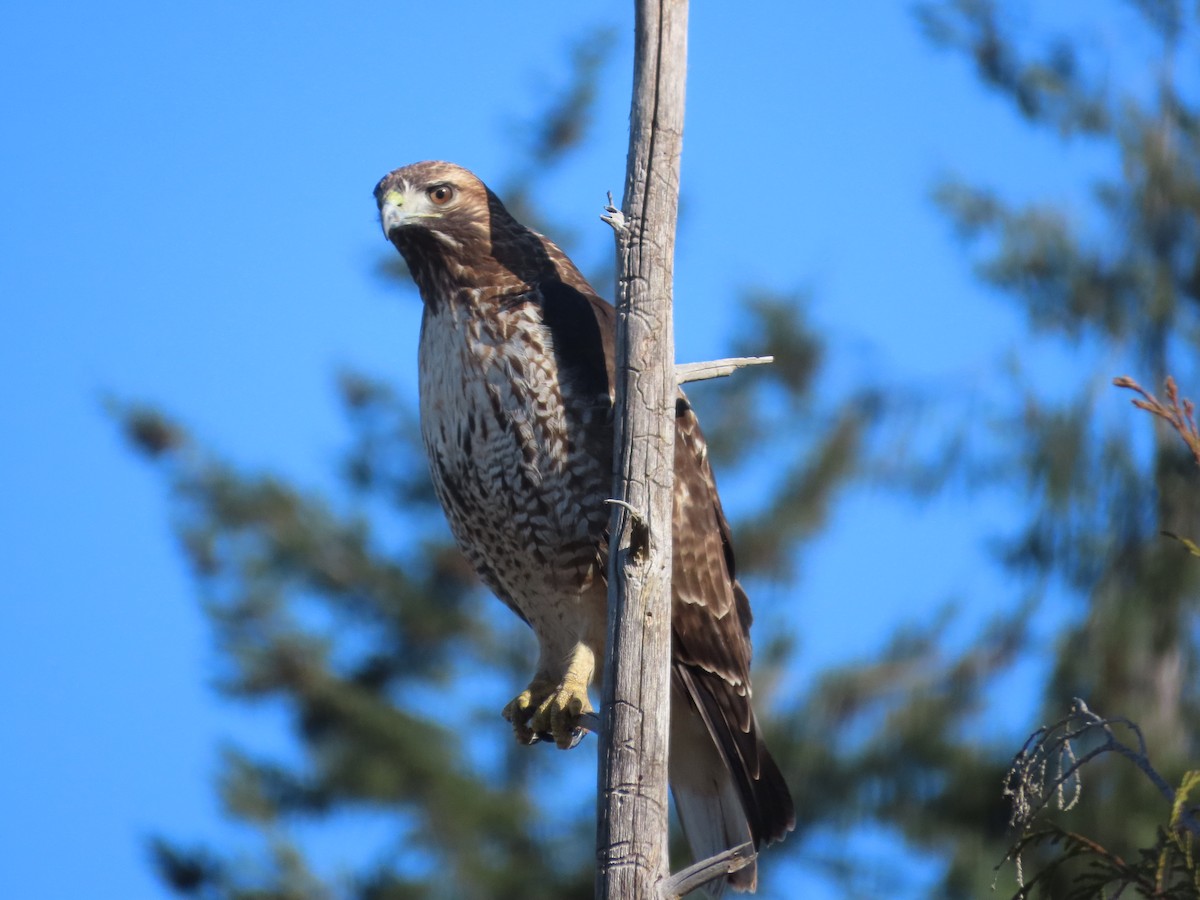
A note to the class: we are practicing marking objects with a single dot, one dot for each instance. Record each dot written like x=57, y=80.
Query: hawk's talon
x=544, y=711
x=521, y=709
x=576, y=736
x=559, y=713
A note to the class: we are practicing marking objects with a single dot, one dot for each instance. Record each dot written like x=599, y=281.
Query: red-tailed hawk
x=516, y=375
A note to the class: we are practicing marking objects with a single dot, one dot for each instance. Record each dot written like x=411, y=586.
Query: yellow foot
x=521, y=708
x=559, y=713
x=551, y=709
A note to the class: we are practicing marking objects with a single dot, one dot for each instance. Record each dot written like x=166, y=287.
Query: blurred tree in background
x=356, y=614
x=1113, y=286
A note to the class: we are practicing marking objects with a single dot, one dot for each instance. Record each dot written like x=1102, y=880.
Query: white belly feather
x=496, y=431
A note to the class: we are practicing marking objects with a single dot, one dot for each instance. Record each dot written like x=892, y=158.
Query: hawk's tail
x=713, y=821
x=718, y=810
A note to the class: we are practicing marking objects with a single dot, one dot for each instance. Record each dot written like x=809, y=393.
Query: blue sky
x=188, y=220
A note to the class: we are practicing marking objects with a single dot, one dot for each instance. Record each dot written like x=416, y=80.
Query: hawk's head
x=453, y=232
x=436, y=198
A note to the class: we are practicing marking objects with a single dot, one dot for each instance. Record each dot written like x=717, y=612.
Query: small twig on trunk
x=717, y=368
x=701, y=873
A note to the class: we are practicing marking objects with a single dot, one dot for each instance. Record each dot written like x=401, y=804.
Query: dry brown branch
x=1180, y=414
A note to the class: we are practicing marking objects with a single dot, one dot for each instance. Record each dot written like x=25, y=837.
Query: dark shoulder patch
x=579, y=344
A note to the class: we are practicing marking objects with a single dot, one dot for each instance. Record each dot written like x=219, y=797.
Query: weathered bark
x=632, y=815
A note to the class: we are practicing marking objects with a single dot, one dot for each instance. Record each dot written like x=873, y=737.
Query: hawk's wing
x=710, y=613
x=711, y=623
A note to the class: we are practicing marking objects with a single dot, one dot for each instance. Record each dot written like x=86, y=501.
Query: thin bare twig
x=697, y=874
x=1180, y=414
x=717, y=368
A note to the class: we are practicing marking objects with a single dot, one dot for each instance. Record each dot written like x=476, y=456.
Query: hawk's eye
x=440, y=194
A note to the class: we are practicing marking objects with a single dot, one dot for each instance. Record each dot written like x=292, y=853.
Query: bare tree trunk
x=632, y=816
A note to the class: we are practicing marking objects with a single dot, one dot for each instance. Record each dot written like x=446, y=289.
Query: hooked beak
x=391, y=213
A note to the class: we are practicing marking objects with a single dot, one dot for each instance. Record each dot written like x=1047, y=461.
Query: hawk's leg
x=548, y=708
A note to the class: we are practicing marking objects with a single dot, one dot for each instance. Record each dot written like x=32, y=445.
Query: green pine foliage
x=1049, y=773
